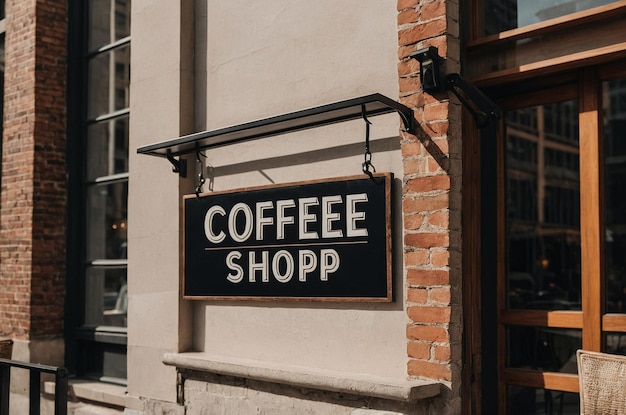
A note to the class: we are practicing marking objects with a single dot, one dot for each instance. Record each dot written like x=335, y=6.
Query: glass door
x=613, y=101
x=541, y=312
x=561, y=232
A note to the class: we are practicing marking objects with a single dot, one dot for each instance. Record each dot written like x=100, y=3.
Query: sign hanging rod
x=352, y=109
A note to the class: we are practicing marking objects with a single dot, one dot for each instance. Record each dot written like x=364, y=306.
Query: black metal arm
x=483, y=109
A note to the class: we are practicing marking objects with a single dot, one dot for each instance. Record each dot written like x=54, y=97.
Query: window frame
x=565, y=22
x=487, y=46
x=83, y=340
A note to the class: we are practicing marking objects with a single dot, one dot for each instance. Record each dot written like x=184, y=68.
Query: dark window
x=98, y=253
x=614, y=108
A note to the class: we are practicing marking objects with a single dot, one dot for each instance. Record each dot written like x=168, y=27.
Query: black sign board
x=324, y=241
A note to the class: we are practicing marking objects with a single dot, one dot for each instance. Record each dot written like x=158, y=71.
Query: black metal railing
x=35, y=371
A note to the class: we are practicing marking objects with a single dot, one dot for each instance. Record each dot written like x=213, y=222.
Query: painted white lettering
x=262, y=266
x=232, y=222
x=233, y=266
x=353, y=215
x=328, y=217
x=329, y=263
x=289, y=266
x=305, y=217
x=261, y=220
x=208, y=224
x=308, y=262
x=281, y=218
x=282, y=265
x=244, y=220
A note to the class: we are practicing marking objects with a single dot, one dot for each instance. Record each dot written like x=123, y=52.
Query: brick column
x=431, y=196
x=32, y=199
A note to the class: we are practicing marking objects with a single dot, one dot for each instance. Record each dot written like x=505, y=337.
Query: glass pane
x=543, y=348
x=562, y=43
x=106, y=221
x=531, y=401
x=106, y=297
x=500, y=16
x=614, y=106
x=109, y=21
x=615, y=343
x=103, y=362
x=543, y=207
x=109, y=78
x=107, y=148
x=2, y=9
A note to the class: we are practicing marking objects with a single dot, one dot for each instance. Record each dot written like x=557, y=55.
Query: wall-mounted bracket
x=178, y=165
x=430, y=72
x=483, y=109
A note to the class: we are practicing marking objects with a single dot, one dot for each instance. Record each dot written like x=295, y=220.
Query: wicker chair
x=602, y=379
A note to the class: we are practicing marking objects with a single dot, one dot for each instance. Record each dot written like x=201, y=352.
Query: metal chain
x=367, y=166
x=201, y=178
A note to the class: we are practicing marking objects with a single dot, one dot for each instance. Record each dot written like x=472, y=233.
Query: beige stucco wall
x=234, y=62
x=268, y=58
x=160, y=98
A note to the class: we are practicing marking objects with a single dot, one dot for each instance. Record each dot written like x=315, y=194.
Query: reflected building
x=614, y=119
x=543, y=207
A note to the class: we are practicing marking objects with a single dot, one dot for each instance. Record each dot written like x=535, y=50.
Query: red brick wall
x=429, y=186
x=33, y=194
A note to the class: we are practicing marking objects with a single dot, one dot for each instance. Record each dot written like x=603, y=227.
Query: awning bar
x=369, y=105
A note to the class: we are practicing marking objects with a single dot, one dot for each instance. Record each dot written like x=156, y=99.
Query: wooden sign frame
x=323, y=240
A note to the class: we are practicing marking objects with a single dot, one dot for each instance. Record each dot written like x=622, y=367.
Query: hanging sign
x=323, y=241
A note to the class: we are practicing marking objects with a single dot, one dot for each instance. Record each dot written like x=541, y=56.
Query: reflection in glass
x=543, y=207
x=106, y=297
x=106, y=221
x=109, y=21
x=107, y=148
x=502, y=15
x=109, y=78
x=614, y=107
x=543, y=348
x=543, y=46
x=105, y=175
x=531, y=401
x=615, y=343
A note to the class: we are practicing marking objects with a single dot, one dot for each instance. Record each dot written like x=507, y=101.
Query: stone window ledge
x=99, y=392
x=319, y=379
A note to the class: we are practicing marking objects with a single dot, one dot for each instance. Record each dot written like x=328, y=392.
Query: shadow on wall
x=331, y=153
